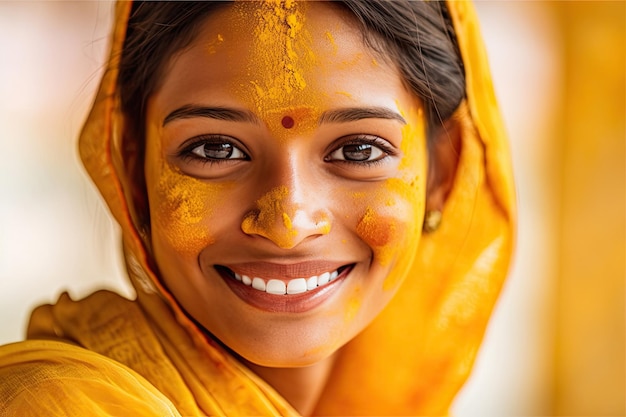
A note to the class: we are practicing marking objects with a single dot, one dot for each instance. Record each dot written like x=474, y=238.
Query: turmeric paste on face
x=279, y=40
x=272, y=206
x=279, y=60
x=383, y=225
x=184, y=203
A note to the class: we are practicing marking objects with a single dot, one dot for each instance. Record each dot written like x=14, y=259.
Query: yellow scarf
x=411, y=360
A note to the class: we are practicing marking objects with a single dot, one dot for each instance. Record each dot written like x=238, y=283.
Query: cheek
x=379, y=231
x=181, y=209
x=392, y=216
x=390, y=223
x=391, y=227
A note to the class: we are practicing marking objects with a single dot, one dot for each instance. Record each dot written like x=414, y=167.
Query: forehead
x=270, y=55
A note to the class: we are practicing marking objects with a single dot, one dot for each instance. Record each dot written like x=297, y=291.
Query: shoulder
x=45, y=377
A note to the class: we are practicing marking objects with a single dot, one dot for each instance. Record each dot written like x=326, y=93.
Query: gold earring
x=432, y=220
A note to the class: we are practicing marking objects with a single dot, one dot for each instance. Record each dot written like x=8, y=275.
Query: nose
x=286, y=217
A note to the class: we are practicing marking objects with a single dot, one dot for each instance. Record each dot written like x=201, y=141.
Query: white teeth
x=311, y=283
x=296, y=286
x=275, y=286
x=258, y=284
x=323, y=279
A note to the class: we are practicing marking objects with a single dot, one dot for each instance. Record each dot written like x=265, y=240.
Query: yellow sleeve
x=50, y=378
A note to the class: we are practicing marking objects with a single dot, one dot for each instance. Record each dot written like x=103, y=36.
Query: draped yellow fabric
x=106, y=355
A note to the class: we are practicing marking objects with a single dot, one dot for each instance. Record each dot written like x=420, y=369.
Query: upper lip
x=269, y=270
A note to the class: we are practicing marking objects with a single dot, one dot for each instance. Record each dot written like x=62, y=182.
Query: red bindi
x=287, y=122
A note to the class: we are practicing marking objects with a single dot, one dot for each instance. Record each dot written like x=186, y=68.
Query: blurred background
x=555, y=345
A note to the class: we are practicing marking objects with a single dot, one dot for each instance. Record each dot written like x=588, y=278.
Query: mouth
x=281, y=286
x=279, y=292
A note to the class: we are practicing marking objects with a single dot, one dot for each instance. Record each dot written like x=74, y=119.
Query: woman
x=272, y=165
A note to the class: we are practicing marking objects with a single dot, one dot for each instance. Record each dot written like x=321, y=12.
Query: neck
x=301, y=387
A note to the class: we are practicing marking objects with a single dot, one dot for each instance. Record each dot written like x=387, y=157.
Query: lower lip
x=288, y=303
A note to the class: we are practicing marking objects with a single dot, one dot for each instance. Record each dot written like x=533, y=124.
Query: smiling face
x=285, y=167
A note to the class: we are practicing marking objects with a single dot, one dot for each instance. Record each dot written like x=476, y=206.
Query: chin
x=286, y=352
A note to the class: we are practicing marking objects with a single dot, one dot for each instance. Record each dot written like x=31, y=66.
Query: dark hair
x=417, y=36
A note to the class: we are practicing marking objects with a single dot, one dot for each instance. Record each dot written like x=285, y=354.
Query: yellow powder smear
x=278, y=36
x=213, y=45
x=281, y=56
x=353, y=306
x=409, y=238
x=287, y=221
x=391, y=219
x=180, y=202
x=271, y=206
x=378, y=231
x=331, y=39
x=344, y=93
x=352, y=62
x=272, y=202
x=391, y=223
x=327, y=225
x=408, y=191
x=186, y=204
x=414, y=130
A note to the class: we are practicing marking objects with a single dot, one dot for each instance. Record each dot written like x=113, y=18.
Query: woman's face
x=285, y=169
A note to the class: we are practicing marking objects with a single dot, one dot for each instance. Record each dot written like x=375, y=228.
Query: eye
x=211, y=150
x=361, y=149
x=357, y=153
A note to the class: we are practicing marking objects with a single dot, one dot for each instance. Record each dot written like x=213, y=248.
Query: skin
x=287, y=197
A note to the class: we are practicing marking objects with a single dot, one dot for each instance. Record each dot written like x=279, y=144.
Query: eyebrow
x=218, y=113
x=352, y=114
x=344, y=115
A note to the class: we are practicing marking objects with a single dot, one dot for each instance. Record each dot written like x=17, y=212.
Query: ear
x=444, y=149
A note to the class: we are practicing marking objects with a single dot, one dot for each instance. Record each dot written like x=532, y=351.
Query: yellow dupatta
x=411, y=360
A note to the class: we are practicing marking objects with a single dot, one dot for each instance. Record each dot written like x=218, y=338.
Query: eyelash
x=364, y=139
x=187, y=153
